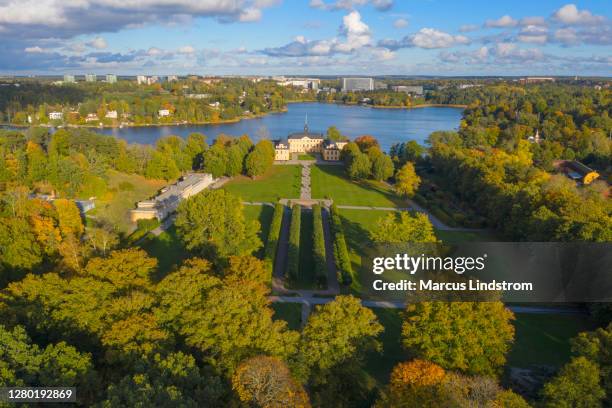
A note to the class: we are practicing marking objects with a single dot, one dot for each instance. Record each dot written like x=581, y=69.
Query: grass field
x=307, y=156
x=380, y=365
x=306, y=278
x=124, y=191
x=167, y=248
x=289, y=312
x=544, y=338
x=278, y=182
x=332, y=182
x=263, y=214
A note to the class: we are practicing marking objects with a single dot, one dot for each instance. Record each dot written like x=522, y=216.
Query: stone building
x=307, y=142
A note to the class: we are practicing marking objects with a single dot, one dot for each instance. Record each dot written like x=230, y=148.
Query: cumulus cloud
x=496, y=55
x=69, y=18
x=569, y=14
x=428, y=38
x=533, y=34
x=98, y=43
x=502, y=22
x=353, y=35
x=533, y=21
x=400, y=23
x=381, y=5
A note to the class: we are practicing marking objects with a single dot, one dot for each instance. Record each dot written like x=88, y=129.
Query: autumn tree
x=577, y=385
x=267, y=382
x=403, y=227
x=406, y=181
x=471, y=337
x=260, y=159
x=247, y=267
x=213, y=224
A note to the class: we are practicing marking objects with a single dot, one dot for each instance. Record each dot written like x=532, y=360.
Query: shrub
x=273, y=235
x=341, y=254
x=293, y=253
x=318, y=240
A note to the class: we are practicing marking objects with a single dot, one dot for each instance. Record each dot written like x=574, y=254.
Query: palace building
x=307, y=142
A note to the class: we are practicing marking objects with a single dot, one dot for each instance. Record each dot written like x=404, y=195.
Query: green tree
x=215, y=161
x=360, y=167
x=576, y=386
x=213, y=223
x=161, y=166
x=472, y=337
x=247, y=267
x=338, y=331
x=260, y=159
x=334, y=134
x=382, y=167
x=596, y=346
x=406, y=181
x=403, y=227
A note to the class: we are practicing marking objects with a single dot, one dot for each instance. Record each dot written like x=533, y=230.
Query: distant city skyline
x=305, y=37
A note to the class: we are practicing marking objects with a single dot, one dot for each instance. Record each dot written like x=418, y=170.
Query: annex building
x=169, y=197
x=307, y=142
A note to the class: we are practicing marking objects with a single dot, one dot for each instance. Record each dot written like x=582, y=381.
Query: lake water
x=387, y=125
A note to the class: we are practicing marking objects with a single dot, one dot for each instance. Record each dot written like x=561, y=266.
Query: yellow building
x=306, y=142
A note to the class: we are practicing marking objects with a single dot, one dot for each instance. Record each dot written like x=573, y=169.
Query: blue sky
x=409, y=37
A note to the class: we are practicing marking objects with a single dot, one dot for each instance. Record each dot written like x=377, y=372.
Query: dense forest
x=125, y=102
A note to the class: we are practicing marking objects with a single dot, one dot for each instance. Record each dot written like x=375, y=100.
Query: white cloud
x=98, y=43
x=533, y=34
x=569, y=14
x=400, y=23
x=34, y=50
x=153, y=51
x=432, y=38
x=502, y=22
x=357, y=32
x=249, y=15
x=186, y=49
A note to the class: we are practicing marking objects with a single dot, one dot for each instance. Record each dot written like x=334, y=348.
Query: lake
x=387, y=125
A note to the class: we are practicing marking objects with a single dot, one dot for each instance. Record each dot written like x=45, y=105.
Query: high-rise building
x=91, y=77
x=357, y=84
x=68, y=79
x=141, y=79
x=111, y=78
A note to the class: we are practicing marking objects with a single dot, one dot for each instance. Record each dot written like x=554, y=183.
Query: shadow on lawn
x=369, y=185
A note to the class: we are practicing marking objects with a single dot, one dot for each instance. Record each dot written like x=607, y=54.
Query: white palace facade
x=307, y=142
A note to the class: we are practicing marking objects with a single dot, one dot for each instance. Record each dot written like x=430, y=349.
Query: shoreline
x=229, y=121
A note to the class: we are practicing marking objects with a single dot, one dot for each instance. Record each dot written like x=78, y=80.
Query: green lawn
x=167, y=248
x=543, y=339
x=278, y=182
x=379, y=365
x=289, y=312
x=306, y=278
x=464, y=236
x=262, y=214
x=124, y=191
x=331, y=182
x=307, y=156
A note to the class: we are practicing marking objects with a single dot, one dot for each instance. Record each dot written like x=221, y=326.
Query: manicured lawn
x=262, y=214
x=380, y=365
x=307, y=157
x=167, y=248
x=306, y=278
x=543, y=339
x=332, y=182
x=289, y=312
x=279, y=182
x=124, y=191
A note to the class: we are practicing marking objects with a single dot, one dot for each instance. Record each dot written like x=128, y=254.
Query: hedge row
x=343, y=261
x=293, y=253
x=318, y=242
x=273, y=236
